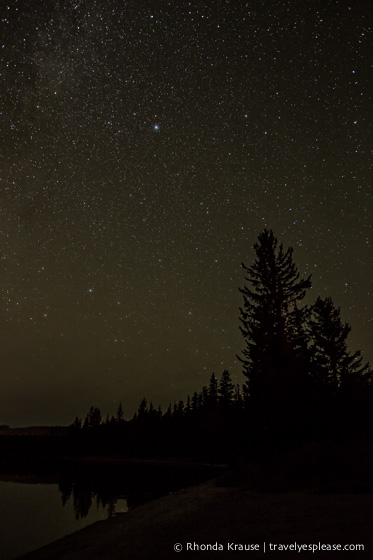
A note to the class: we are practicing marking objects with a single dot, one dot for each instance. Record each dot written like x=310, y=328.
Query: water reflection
x=119, y=488
x=32, y=515
x=84, y=497
x=39, y=507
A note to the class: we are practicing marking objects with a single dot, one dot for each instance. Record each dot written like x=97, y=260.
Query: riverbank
x=218, y=515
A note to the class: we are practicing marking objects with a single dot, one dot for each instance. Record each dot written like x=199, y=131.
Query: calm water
x=38, y=509
x=32, y=515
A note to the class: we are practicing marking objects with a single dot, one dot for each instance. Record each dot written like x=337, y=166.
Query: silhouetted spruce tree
x=143, y=409
x=203, y=396
x=93, y=418
x=213, y=389
x=270, y=322
x=332, y=363
x=226, y=389
x=178, y=409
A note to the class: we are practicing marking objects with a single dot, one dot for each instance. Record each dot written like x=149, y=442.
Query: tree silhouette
x=271, y=319
x=93, y=418
x=226, y=389
x=77, y=424
x=204, y=396
x=213, y=389
x=301, y=380
x=143, y=409
x=332, y=363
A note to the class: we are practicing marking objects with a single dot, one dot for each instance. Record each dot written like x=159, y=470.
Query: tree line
x=301, y=380
x=203, y=425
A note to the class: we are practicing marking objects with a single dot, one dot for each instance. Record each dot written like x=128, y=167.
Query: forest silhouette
x=302, y=418
x=302, y=382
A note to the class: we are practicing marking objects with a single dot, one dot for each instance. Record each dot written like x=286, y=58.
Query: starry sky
x=144, y=146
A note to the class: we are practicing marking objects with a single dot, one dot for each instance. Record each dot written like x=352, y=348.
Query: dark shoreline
x=86, y=481
x=322, y=493
x=207, y=513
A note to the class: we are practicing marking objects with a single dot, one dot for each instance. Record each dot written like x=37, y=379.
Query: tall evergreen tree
x=213, y=388
x=143, y=409
x=226, y=389
x=180, y=408
x=271, y=318
x=93, y=418
x=203, y=397
x=77, y=424
x=332, y=362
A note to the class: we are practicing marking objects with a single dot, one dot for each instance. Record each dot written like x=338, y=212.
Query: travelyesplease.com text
x=267, y=547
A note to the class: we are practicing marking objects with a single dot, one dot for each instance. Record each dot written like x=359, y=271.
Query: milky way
x=144, y=146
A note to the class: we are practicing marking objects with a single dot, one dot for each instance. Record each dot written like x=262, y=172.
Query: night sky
x=144, y=146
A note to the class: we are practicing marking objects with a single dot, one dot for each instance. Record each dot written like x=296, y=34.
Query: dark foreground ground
x=210, y=513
